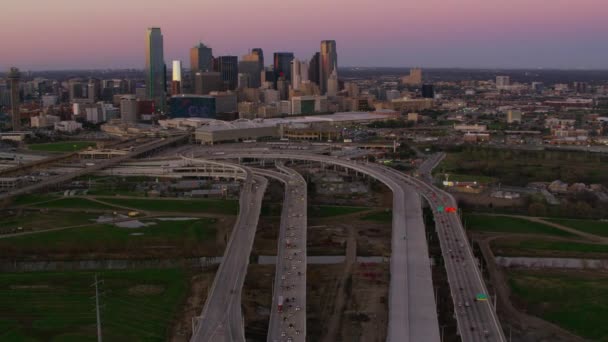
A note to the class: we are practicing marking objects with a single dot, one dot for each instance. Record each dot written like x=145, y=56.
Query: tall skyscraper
x=282, y=64
x=328, y=61
x=201, y=58
x=252, y=65
x=13, y=79
x=228, y=67
x=314, y=68
x=260, y=53
x=128, y=108
x=332, y=83
x=176, y=81
x=156, y=79
x=296, y=76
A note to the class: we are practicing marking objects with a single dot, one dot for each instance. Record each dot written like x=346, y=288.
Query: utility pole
x=99, y=339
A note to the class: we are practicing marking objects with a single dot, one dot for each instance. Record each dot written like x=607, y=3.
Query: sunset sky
x=60, y=34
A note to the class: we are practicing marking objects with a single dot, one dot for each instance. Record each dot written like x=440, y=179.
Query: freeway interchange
x=412, y=307
x=477, y=320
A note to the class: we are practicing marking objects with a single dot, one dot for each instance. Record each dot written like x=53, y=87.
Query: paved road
x=289, y=323
x=412, y=309
x=222, y=319
x=477, y=320
x=412, y=315
x=97, y=167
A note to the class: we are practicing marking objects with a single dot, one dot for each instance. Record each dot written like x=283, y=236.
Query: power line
x=97, y=311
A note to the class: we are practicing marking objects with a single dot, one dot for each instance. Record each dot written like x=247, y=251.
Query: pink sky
x=61, y=34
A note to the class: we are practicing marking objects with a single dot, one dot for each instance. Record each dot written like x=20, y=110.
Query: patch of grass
x=574, y=302
x=587, y=226
x=58, y=306
x=32, y=198
x=226, y=207
x=75, y=203
x=332, y=210
x=29, y=220
x=503, y=224
x=271, y=209
x=520, y=167
x=532, y=247
x=179, y=235
x=385, y=216
x=62, y=146
x=100, y=191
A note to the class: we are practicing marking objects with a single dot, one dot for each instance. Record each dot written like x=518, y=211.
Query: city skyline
x=467, y=33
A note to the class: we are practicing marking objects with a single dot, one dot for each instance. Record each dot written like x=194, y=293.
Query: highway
x=289, y=289
x=477, y=320
x=412, y=309
x=222, y=318
x=90, y=169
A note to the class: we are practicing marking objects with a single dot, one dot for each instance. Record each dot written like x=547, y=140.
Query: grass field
x=29, y=220
x=226, y=207
x=587, y=226
x=535, y=247
x=33, y=198
x=58, y=306
x=104, y=191
x=102, y=238
x=75, y=203
x=322, y=211
x=519, y=167
x=573, y=301
x=385, y=216
x=503, y=224
x=63, y=146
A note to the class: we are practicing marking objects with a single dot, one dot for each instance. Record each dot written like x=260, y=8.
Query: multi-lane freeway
x=288, y=312
x=412, y=309
x=222, y=319
x=477, y=319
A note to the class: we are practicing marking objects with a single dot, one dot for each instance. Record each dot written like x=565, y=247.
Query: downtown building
x=155, y=72
x=328, y=61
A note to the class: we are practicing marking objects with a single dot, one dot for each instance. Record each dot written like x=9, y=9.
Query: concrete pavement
x=288, y=311
x=221, y=318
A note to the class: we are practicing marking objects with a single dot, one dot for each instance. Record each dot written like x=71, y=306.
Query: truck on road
x=280, y=305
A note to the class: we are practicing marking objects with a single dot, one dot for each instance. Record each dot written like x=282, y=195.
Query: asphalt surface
x=412, y=309
x=477, y=320
x=221, y=318
x=289, y=323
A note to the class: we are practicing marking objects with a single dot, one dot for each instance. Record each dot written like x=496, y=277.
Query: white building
x=177, y=71
x=94, y=115
x=392, y=94
x=49, y=100
x=68, y=126
x=284, y=107
x=503, y=82
x=271, y=96
x=44, y=121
